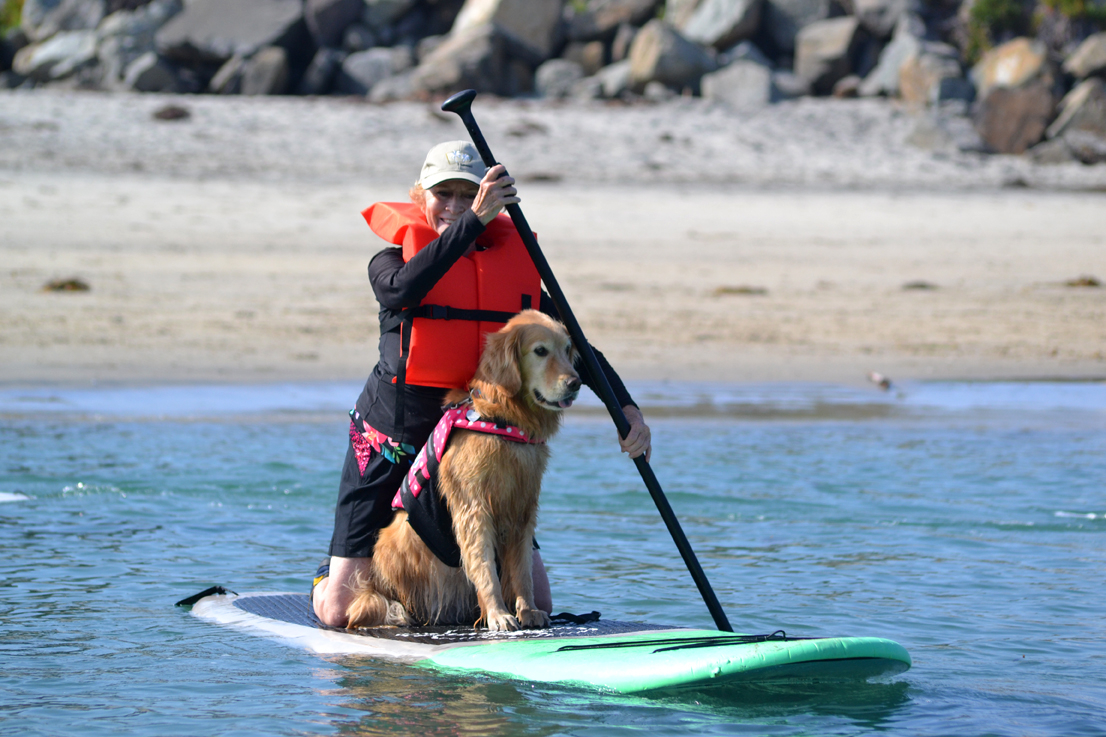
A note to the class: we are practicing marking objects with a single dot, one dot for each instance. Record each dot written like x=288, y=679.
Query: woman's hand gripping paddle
x=461, y=103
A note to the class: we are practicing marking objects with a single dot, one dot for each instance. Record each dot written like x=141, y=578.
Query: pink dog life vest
x=419, y=496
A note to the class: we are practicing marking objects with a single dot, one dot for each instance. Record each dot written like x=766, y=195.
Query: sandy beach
x=692, y=243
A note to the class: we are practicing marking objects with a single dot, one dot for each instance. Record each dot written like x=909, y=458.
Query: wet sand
x=229, y=257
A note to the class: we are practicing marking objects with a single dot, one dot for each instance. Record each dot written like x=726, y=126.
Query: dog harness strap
x=426, y=510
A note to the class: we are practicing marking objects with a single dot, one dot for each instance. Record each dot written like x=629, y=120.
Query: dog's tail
x=370, y=608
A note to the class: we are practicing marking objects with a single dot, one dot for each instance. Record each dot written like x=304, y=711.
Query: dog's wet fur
x=491, y=486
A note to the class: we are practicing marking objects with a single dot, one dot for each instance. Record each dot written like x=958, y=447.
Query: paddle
x=461, y=104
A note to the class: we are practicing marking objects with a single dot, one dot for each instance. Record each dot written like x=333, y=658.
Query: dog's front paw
x=502, y=622
x=533, y=619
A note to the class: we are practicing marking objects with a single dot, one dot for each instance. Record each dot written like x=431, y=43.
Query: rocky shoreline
x=811, y=143
x=1023, y=78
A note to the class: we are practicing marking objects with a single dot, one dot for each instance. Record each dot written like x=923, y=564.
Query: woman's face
x=447, y=201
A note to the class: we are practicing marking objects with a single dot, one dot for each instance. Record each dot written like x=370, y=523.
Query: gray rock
x=1089, y=58
x=378, y=14
x=362, y=71
x=556, y=77
x=396, y=87
x=534, y=22
x=601, y=19
x=151, y=73
x=228, y=79
x=659, y=53
x=127, y=34
x=623, y=40
x=56, y=58
x=722, y=23
x=1052, y=152
x=788, y=85
x=824, y=51
x=744, y=51
x=1087, y=147
x=847, y=87
x=481, y=58
x=783, y=19
x=266, y=72
x=212, y=31
x=591, y=56
x=1082, y=109
x=931, y=71
x=318, y=78
x=743, y=85
x=881, y=17
x=884, y=78
x=611, y=82
x=327, y=20
x=41, y=19
x=359, y=37
x=657, y=92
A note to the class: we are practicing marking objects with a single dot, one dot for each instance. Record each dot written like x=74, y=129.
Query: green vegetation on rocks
x=11, y=11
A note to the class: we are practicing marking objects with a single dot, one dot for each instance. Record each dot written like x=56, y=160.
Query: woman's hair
x=418, y=196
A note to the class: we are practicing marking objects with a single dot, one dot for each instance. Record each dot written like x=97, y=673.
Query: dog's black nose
x=574, y=384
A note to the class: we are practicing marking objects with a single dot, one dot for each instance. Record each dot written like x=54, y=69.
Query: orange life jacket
x=445, y=333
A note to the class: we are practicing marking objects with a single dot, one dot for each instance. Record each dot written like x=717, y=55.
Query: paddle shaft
x=461, y=104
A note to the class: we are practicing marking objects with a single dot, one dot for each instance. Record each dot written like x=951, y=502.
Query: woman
x=451, y=232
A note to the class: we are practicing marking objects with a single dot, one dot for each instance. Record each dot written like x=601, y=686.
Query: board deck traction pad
x=625, y=657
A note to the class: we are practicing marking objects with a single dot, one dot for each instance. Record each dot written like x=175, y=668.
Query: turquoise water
x=966, y=521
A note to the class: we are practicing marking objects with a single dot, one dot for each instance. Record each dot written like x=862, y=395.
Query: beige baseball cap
x=452, y=160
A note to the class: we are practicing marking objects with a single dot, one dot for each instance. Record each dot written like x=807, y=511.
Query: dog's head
x=531, y=360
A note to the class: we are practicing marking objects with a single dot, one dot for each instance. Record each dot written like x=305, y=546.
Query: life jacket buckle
x=439, y=312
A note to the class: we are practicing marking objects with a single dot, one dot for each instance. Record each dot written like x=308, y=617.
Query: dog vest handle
x=461, y=104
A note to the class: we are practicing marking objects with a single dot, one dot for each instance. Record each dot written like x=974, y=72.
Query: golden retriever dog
x=490, y=486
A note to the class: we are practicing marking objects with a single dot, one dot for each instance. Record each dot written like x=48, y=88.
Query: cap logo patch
x=458, y=158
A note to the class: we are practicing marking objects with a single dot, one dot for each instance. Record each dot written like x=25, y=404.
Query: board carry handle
x=461, y=104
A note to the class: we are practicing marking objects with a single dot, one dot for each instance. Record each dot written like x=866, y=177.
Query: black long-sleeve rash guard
x=400, y=285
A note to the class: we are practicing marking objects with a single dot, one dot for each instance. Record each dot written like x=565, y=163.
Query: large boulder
x=783, y=19
x=266, y=72
x=722, y=23
x=659, y=53
x=600, y=19
x=1015, y=85
x=41, y=19
x=743, y=85
x=535, y=22
x=1082, y=109
x=884, y=77
x=1089, y=58
x=824, y=52
x=212, y=31
x=556, y=77
x=932, y=74
x=485, y=58
x=327, y=20
x=58, y=57
x=126, y=35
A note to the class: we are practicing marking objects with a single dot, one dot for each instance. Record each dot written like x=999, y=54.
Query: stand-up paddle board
x=625, y=657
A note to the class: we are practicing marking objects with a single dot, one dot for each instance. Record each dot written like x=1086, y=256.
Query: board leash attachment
x=210, y=591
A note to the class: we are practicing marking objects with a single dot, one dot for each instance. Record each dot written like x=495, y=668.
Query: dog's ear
x=499, y=364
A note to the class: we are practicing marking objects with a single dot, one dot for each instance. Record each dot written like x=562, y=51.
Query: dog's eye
x=541, y=351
